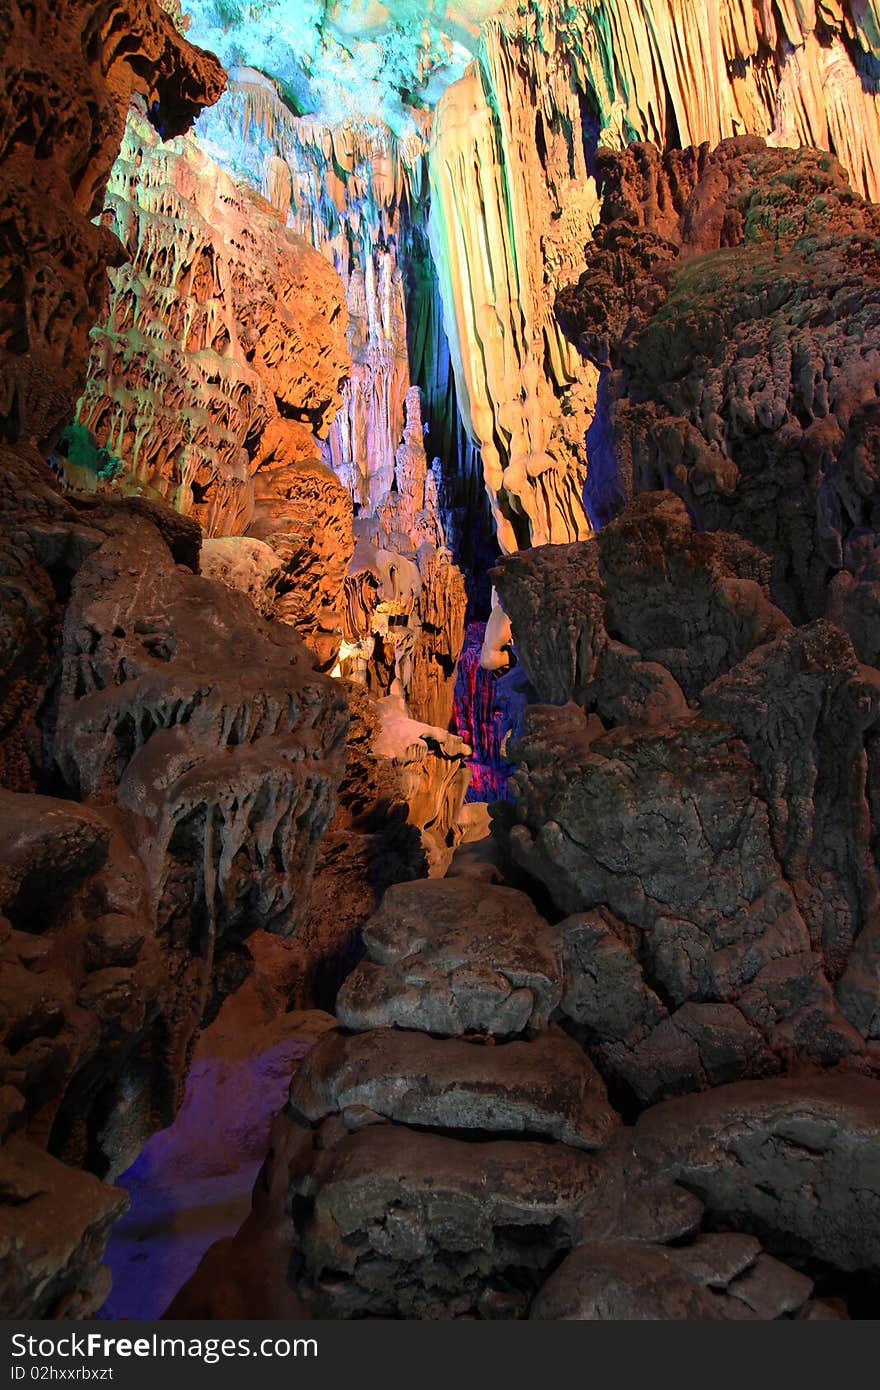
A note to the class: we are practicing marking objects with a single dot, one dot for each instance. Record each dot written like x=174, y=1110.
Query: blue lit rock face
x=487, y=713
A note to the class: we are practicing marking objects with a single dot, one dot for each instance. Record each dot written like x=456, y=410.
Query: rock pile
x=455, y=1154
x=698, y=797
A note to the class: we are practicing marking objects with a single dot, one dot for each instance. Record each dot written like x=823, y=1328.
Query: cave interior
x=440, y=659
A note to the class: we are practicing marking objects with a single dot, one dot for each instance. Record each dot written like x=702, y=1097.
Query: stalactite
x=513, y=200
x=352, y=190
x=489, y=205
x=216, y=322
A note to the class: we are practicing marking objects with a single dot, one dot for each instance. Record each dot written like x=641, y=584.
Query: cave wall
x=67, y=77
x=168, y=759
x=220, y=360
x=500, y=178
x=514, y=198
x=299, y=428
x=730, y=301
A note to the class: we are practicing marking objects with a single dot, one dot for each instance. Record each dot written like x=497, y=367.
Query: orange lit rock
x=220, y=321
x=67, y=72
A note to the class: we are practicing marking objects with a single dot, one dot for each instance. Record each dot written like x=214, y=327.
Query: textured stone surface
x=83, y=995
x=67, y=72
x=207, y=796
x=795, y=1160
x=474, y=1225
x=706, y=957
x=232, y=771
x=245, y=564
x=54, y=1223
x=190, y=400
x=431, y=769
x=405, y=600
x=451, y=957
x=700, y=798
x=731, y=298
x=718, y=1277
x=544, y=1087
x=303, y=513
x=217, y=409
x=648, y=611
x=113, y=934
x=396, y=820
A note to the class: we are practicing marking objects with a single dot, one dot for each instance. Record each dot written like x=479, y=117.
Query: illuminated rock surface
x=413, y=1222
x=449, y=1084
x=416, y=293
x=731, y=298
x=115, y=909
x=422, y=970
x=800, y=1156
x=720, y=869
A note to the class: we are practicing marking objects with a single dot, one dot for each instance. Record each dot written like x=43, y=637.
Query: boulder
x=719, y=1277
x=795, y=1160
x=454, y=956
x=396, y=1223
x=54, y=1224
x=545, y=1087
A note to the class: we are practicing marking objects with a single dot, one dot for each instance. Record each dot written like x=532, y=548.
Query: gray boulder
x=795, y=1160
x=545, y=1086
x=454, y=956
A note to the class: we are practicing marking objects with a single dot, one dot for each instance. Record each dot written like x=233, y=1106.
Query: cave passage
x=440, y=660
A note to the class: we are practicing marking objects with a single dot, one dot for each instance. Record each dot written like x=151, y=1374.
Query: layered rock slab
x=408, y=1196
x=454, y=957
x=543, y=1087
x=406, y=1224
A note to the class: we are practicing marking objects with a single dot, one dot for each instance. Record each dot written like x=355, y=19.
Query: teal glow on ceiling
x=363, y=60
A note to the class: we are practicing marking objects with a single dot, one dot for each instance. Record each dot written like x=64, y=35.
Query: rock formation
x=623, y=1061
x=730, y=298
x=506, y=139
x=682, y=797
x=187, y=752
x=798, y=1156
x=221, y=357
x=218, y=407
x=402, y=1154
x=67, y=74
